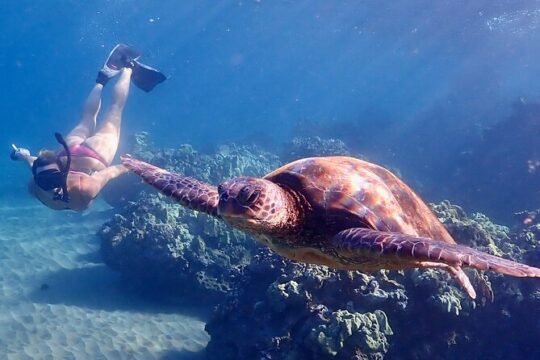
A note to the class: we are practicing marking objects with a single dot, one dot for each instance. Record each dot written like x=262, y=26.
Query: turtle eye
x=247, y=195
x=253, y=197
x=220, y=189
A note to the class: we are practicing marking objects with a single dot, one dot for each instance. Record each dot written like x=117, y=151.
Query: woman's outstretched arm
x=22, y=154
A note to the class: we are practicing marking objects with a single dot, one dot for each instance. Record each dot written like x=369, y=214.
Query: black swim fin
x=146, y=77
x=121, y=56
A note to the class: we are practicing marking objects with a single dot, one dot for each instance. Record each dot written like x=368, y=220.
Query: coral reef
x=161, y=245
x=284, y=310
x=273, y=308
x=457, y=325
x=156, y=243
x=302, y=147
x=362, y=333
x=479, y=232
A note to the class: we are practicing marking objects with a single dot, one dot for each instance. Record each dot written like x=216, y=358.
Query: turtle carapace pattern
x=337, y=211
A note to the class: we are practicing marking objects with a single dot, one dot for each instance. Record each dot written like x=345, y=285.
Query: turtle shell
x=345, y=192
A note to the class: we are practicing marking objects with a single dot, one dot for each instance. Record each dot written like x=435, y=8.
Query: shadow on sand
x=95, y=286
x=182, y=355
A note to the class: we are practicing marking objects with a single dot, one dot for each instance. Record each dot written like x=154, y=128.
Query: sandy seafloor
x=83, y=312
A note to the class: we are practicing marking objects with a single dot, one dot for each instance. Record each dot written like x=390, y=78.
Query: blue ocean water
x=407, y=83
x=251, y=70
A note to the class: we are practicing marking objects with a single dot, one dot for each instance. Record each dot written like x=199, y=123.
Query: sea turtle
x=337, y=211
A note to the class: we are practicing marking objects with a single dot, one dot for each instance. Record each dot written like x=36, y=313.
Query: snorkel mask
x=51, y=174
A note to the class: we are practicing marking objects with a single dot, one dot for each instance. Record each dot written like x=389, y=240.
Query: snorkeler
x=72, y=177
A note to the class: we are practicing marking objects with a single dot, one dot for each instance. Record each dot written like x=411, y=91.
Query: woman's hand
x=18, y=153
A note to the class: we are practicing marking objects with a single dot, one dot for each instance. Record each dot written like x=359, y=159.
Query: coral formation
x=302, y=147
x=282, y=310
x=154, y=242
x=366, y=332
x=273, y=308
x=162, y=245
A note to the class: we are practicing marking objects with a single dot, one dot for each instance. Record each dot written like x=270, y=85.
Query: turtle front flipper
x=189, y=192
x=396, y=251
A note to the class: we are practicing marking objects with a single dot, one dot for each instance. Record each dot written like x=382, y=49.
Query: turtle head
x=253, y=204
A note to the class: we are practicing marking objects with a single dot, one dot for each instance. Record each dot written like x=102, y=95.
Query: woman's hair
x=47, y=155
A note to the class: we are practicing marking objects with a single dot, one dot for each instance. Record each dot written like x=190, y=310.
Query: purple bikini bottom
x=83, y=150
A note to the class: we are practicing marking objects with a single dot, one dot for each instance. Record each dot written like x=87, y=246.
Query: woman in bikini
x=72, y=177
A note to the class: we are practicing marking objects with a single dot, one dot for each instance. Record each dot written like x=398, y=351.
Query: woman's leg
x=105, y=140
x=87, y=125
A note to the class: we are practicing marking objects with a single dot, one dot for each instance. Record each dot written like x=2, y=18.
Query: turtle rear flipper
x=412, y=251
x=189, y=192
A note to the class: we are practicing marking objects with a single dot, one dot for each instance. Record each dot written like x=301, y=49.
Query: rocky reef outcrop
x=302, y=147
x=447, y=324
x=155, y=243
x=285, y=310
x=271, y=308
